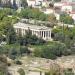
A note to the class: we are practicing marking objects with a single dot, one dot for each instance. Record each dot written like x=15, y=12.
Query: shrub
x=51, y=51
x=18, y=62
x=21, y=71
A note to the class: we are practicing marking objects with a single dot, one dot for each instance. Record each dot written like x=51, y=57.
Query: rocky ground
x=41, y=64
x=66, y=62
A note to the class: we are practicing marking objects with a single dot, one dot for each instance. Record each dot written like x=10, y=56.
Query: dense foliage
x=51, y=50
x=21, y=71
x=13, y=51
x=32, y=13
x=67, y=33
x=67, y=36
x=6, y=25
x=65, y=18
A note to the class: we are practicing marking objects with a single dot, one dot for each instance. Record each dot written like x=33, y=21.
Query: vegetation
x=30, y=39
x=21, y=71
x=18, y=62
x=52, y=73
x=65, y=18
x=17, y=45
x=67, y=36
x=14, y=51
x=3, y=65
x=51, y=50
x=32, y=13
x=68, y=71
x=6, y=25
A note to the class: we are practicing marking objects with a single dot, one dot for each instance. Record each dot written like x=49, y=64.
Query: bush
x=66, y=19
x=51, y=51
x=18, y=62
x=24, y=50
x=68, y=71
x=21, y=71
x=9, y=64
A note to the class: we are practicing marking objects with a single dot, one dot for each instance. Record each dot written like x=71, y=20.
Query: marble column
x=48, y=34
x=36, y=33
x=22, y=32
x=43, y=34
x=31, y=32
x=40, y=33
x=16, y=30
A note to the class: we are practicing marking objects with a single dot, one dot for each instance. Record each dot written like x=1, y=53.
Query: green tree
x=66, y=36
x=65, y=18
x=24, y=50
x=43, y=17
x=12, y=53
x=52, y=19
x=7, y=29
x=21, y=71
x=33, y=14
x=11, y=36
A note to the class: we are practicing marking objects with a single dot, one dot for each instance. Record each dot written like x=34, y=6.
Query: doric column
x=16, y=30
x=43, y=73
x=43, y=34
x=22, y=32
x=36, y=33
x=40, y=33
x=50, y=34
x=32, y=32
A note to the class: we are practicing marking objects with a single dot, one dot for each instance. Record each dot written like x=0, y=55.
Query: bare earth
x=41, y=64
